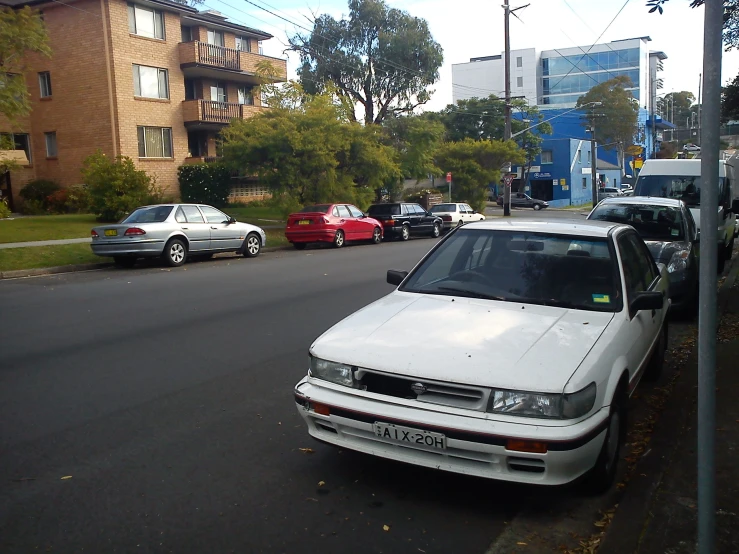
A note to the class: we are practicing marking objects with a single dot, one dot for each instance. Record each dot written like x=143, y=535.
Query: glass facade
x=581, y=83
x=596, y=61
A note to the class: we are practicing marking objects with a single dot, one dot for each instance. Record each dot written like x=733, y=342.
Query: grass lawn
x=255, y=216
x=46, y=227
x=581, y=207
x=70, y=254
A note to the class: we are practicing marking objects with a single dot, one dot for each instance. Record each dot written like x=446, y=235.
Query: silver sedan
x=175, y=232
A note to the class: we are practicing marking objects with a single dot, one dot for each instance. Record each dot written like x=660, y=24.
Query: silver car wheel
x=177, y=252
x=252, y=245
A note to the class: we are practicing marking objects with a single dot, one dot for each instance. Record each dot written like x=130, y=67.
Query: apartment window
x=519, y=61
x=546, y=156
x=155, y=142
x=186, y=33
x=579, y=156
x=21, y=141
x=44, y=81
x=218, y=93
x=588, y=156
x=215, y=37
x=246, y=96
x=261, y=50
x=584, y=182
x=150, y=82
x=51, y=150
x=242, y=43
x=519, y=82
x=145, y=22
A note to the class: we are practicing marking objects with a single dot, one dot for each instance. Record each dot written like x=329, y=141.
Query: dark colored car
x=523, y=200
x=670, y=233
x=403, y=219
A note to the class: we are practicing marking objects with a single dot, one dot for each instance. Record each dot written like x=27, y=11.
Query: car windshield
x=444, y=208
x=317, y=208
x=684, y=187
x=155, y=214
x=532, y=268
x=663, y=223
x=384, y=209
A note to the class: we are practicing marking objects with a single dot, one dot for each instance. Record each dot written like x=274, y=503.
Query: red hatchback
x=335, y=223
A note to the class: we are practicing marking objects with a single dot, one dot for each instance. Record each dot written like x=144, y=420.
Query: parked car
x=691, y=147
x=523, y=200
x=175, y=232
x=669, y=231
x=456, y=214
x=608, y=192
x=334, y=223
x=403, y=219
x=533, y=339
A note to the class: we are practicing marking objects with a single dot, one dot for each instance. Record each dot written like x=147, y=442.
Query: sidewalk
x=658, y=513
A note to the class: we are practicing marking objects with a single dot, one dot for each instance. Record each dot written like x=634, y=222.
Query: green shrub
x=115, y=185
x=78, y=199
x=37, y=193
x=56, y=202
x=284, y=203
x=4, y=209
x=205, y=184
x=33, y=207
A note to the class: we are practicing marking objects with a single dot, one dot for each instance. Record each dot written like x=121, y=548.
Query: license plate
x=407, y=435
x=111, y=233
x=304, y=222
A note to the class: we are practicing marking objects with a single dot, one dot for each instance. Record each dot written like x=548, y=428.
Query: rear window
x=317, y=208
x=156, y=214
x=384, y=209
x=444, y=208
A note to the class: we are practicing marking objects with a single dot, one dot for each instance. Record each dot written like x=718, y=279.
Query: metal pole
x=450, y=190
x=707, y=317
x=699, y=99
x=593, y=163
x=507, y=129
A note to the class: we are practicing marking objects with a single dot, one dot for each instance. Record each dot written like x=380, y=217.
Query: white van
x=682, y=179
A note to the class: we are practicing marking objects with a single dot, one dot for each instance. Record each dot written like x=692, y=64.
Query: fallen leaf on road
x=312, y=499
x=385, y=528
x=522, y=544
x=321, y=483
x=66, y=477
x=307, y=450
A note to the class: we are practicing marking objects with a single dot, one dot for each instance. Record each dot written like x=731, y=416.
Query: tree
x=730, y=101
x=679, y=105
x=312, y=152
x=475, y=118
x=380, y=58
x=731, y=18
x=616, y=119
x=474, y=164
x=529, y=141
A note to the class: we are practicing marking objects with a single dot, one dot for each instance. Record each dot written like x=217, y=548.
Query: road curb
x=629, y=522
x=76, y=268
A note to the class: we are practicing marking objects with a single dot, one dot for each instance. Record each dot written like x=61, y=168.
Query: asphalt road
x=165, y=397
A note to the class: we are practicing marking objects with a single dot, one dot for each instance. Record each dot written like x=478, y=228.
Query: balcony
x=210, y=114
x=200, y=59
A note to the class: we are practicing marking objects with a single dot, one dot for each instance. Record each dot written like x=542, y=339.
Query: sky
x=472, y=28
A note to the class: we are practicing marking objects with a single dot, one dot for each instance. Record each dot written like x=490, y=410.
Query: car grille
x=445, y=394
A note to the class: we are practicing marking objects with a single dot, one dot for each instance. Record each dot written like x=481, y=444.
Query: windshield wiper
x=468, y=293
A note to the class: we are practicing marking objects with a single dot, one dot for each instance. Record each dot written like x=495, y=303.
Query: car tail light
x=134, y=231
x=94, y=233
x=446, y=217
x=389, y=222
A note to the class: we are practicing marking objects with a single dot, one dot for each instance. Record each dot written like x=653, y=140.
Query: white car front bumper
x=474, y=445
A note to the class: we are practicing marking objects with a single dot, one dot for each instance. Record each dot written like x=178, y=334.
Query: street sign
x=508, y=179
x=449, y=177
x=634, y=150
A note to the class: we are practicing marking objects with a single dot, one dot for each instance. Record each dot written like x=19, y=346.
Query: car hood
x=662, y=251
x=467, y=341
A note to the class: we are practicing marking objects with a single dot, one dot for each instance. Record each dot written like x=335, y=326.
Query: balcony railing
x=218, y=56
x=210, y=111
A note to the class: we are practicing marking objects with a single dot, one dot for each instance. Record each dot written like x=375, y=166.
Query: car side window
x=344, y=211
x=419, y=209
x=179, y=216
x=647, y=265
x=192, y=214
x=213, y=216
x=468, y=208
x=335, y=211
x=633, y=274
x=406, y=209
x=356, y=212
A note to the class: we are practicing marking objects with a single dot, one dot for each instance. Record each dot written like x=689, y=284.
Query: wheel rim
x=537, y=207
x=177, y=252
x=406, y=232
x=376, y=235
x=339, y=238
x=252, y=245
x=459, y=223
x=614, y=436
x=436, y=230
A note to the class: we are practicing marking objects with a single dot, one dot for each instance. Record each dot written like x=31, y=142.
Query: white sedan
x=509, y=352
x=455, y=214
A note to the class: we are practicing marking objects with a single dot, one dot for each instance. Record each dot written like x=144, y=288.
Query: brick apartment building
x=153, y=80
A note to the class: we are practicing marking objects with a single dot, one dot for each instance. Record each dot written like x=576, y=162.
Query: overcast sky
x=470, y=28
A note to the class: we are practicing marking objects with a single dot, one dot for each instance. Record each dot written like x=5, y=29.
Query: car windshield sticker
x=675, y=232
x=601, y=299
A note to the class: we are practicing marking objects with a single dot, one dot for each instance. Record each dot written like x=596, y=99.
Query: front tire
x=252, y=246
x=175, y=253
x=603, y=474
x=124, y=261
x=339, y=239
x=537, y=207
x=377, y=235
x=437, y=231
x=405, y=232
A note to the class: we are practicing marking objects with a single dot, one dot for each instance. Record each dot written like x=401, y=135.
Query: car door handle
x=214, y=227
x=185, y=228
x=342, y=221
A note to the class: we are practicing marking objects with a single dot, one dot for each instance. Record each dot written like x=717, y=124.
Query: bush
x=33, y=207
x=78, y=199
x=4, y=210
x=205, y=184
x=284, y=203
x=36, y=194
x=56, y=202
x=115, y=186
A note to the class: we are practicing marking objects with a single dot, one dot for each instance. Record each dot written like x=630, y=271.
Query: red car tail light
x=446, y=218
x=389, y=222
x=134, y=231
x=94, y=233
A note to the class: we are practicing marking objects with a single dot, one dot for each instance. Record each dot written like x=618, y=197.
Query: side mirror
x=646, y=301
x=395, y=277
x=231, y=220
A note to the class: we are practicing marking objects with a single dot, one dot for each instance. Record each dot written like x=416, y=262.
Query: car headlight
x=341, y=374
x=679, y=261
x=555, y=406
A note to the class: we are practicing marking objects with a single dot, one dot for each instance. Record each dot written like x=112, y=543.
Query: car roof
x=576, y=227
x=644, y=201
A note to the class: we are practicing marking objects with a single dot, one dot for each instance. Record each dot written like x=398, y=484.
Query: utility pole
x=593, y=163
x=700, y=76
x=507, y=129
x=707, y=318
